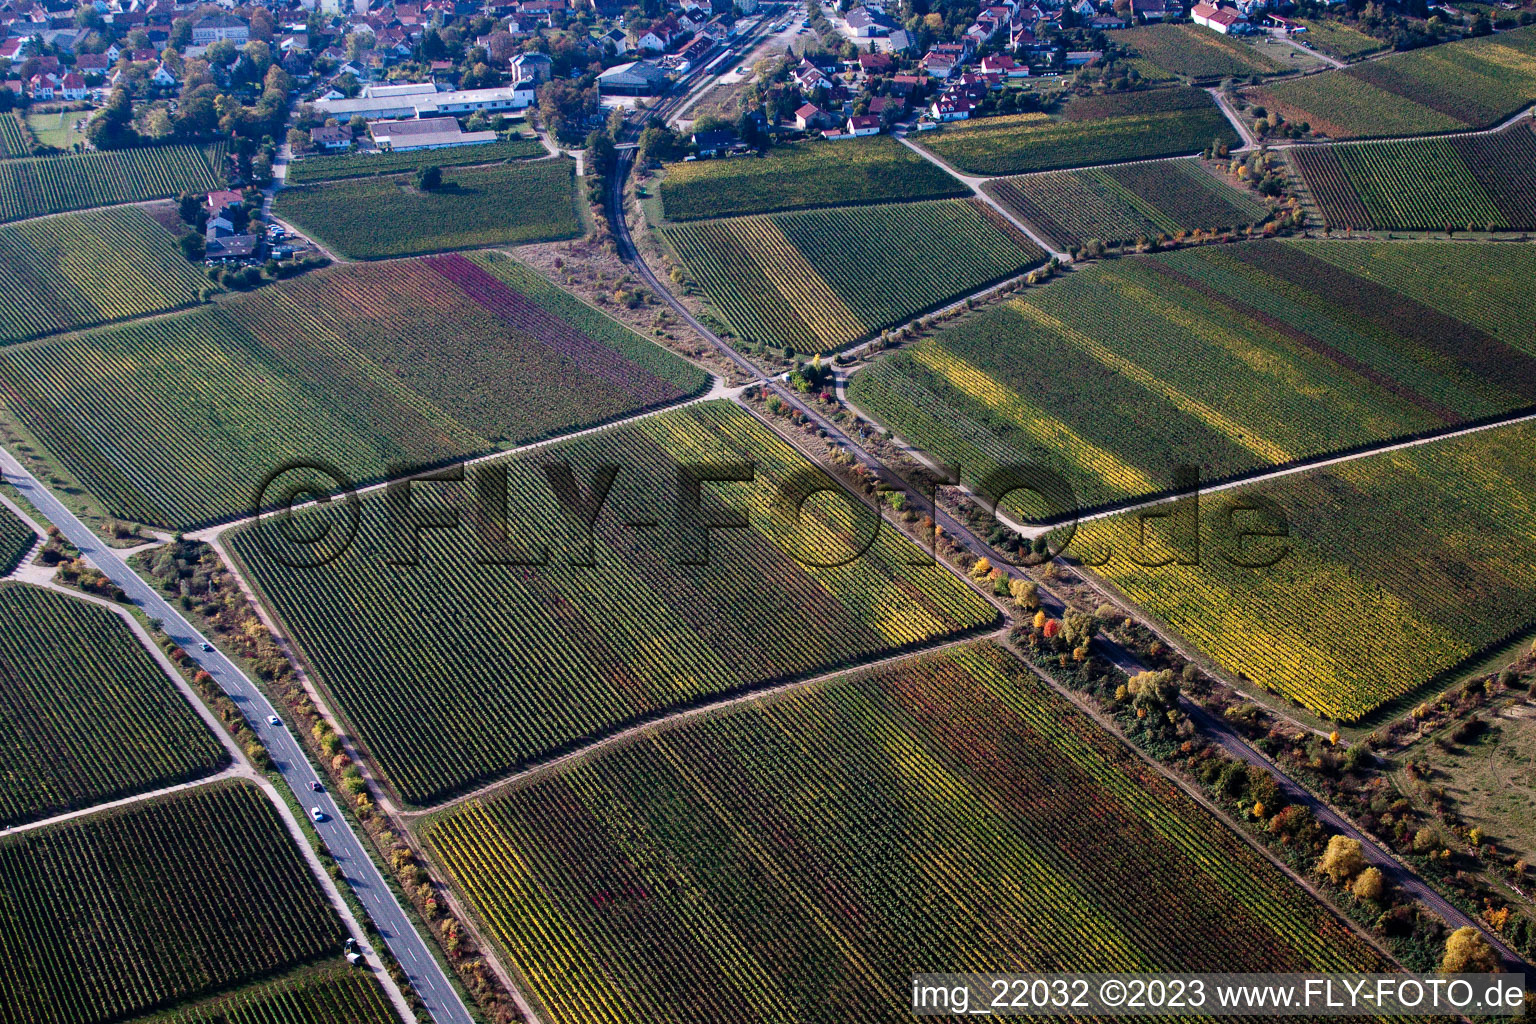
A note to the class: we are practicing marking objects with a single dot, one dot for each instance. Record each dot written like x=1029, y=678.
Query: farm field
x=816, y=280
x=1461, y=181
x=132, y=910
x=87, y=714
x=1339, y=40
x=69, y=272
x=1092, y=130
x=793, y=859
x=33, y=186
x=509, y=663
x=1196, y=52
x=57, y=130
x=329, y=166
x=1126, y=202
x=1473, y=83
x=801, y=175
x=16, y=539
x=1231, y=359
x=325, y=995
x=369, y=367
x=1399, y=567
x=376, y=218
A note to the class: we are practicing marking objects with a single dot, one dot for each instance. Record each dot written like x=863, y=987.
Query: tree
x=659, y=145
x=1026, y=594
x=181, y=33
x=1467, y=952
x=429, y=178
x=297, y=139
x=1342, y=860
x=600, y=153
x=1371, y=885
x=193, y=246
x=113, y=127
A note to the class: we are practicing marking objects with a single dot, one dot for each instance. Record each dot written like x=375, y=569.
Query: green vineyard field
x=1472, y=83
x=368, y=367
x=376, y=218
x=64, y=273
x=1196, y=52
x=33, y=186
x=364, y=165
x=1397, y=568
x=1094, y=130
x=13, y=139
x=1230, y=359
x=793, y=860
x=487, y=666
x=110, y=916
x=1126, y=202
x=1339, y=40
x=16, y=539
x=803, y=175
x=1472, y=181
x=87, y=714
x=333, y=995
x=816, y=280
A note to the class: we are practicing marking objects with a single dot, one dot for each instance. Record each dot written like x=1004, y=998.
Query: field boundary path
x=682, y=716
x=1235, y=119
x=421, y=969
x=962, y=534
x=974, y=183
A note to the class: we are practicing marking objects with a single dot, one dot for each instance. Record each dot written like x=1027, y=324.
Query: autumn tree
x=1467, y=952
x=1370, y=885
x=1343, y=860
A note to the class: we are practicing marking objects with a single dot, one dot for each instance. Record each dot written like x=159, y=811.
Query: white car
x=274, y=720
x=317, y=814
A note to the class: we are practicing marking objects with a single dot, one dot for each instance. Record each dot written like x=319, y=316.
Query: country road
x=425, y=974
x=1220, y=731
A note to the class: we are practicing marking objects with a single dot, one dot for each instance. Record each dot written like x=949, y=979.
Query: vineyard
x=87, y=714
x=792, y=860
x=1126, y=202
x=1499, y=305
x=1475, y=181
x=1398, y=568
x=506, y=663
x=1228, y=358
x=33, y=186
x=369, y=367
x=118, y=914
x=1094, y=130
x=1473, y=83
x=818, y=279
x=801, y=175
x=327, y=167
x=1195, y=52
x=13, y=137
x=375, y=218
x=64, y=273
x=16, y=539
x=1340, y=40
x=315, y=996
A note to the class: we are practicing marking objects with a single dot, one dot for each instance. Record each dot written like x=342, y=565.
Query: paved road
x=1221, y=731
x=425, y=975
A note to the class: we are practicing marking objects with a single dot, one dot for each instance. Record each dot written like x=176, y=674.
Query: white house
x=1218, y=19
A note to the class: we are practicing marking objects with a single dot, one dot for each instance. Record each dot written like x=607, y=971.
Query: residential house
x=162, y=77
x=1155, y=10
x=865, y=24
x=42, y=86
x=1004, y=66
x=876, y=63
x=331, y=138
x=72, y=87
x=221, y=200
x=1225, y=20
x=93, y=64
x=533, y=67
x=716, y=142
x=809, y=117
x=864, y=124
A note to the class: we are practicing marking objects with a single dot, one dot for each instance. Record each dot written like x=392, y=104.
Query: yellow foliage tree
x=1370, y=885
x=1342, y=860
x=1467, y=952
